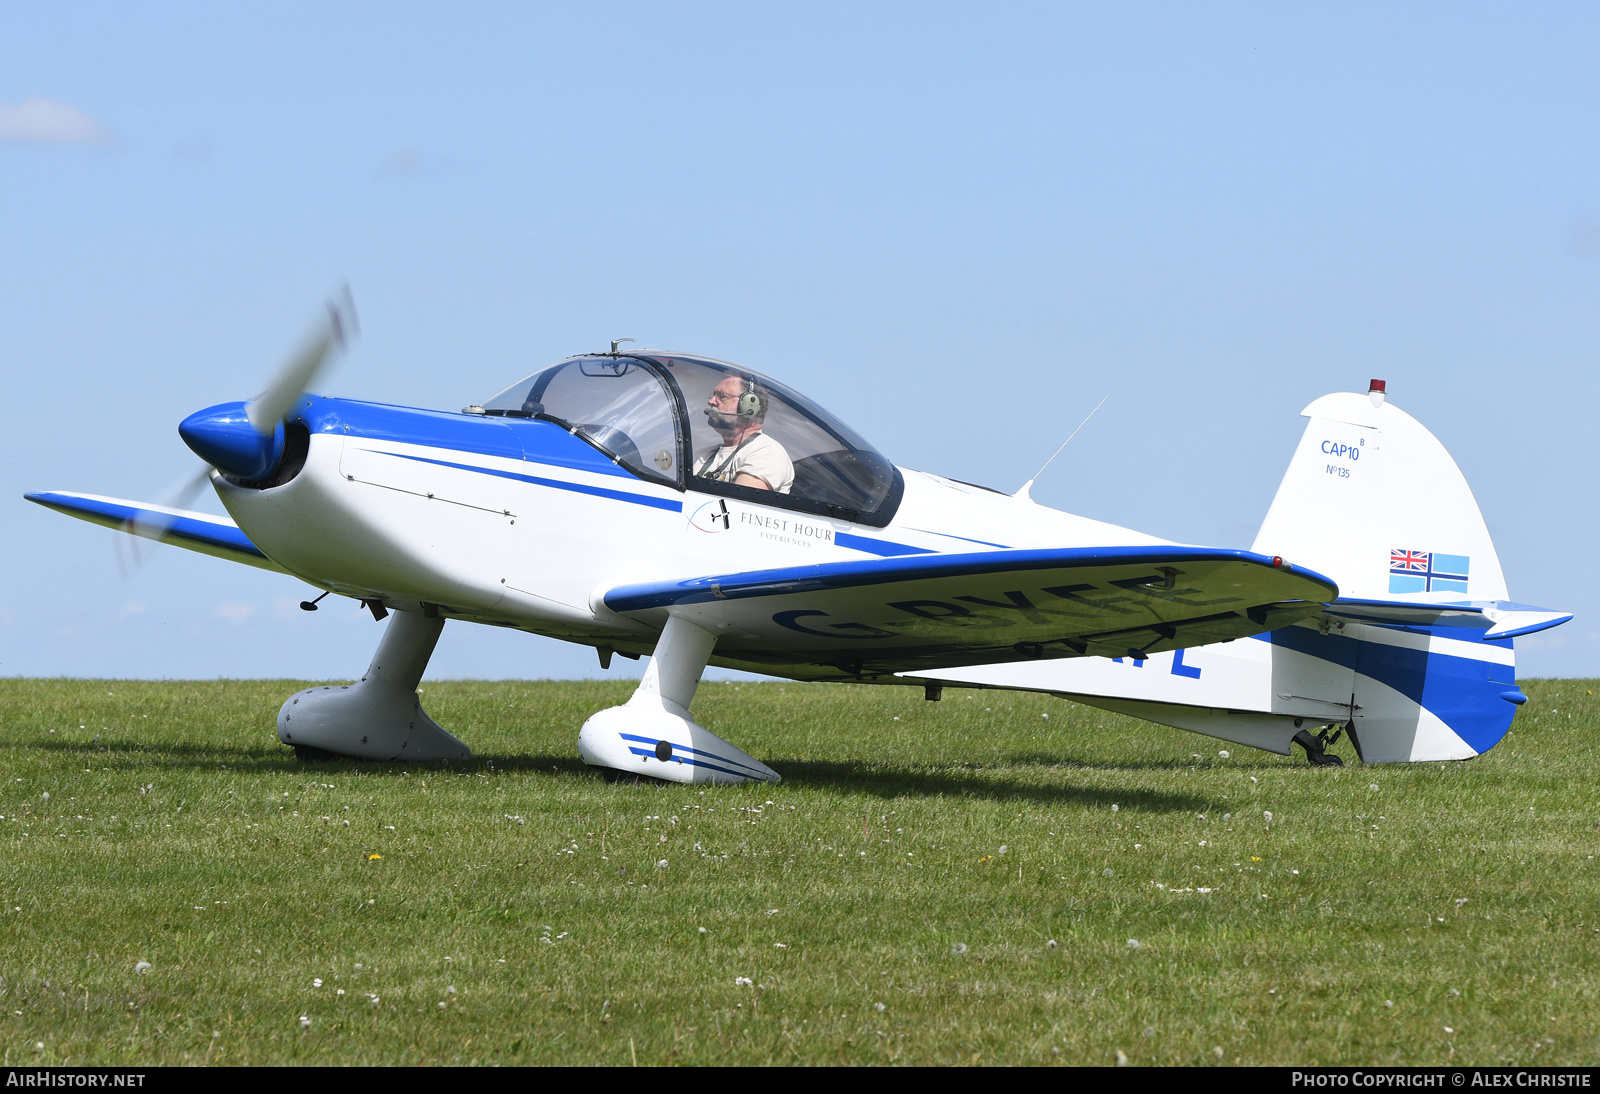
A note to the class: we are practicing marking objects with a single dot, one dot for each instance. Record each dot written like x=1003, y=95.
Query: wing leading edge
x=880, y=616
x=202, y=532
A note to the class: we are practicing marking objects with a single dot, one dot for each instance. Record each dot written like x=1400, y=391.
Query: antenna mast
x=1027, y=486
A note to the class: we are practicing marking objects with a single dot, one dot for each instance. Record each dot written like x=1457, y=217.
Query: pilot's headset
x=753, y=403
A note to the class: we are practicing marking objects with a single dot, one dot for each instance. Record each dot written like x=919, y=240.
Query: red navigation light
x=1277, y=560
x=1377, y=385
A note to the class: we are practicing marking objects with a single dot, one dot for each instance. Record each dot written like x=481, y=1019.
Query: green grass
x=1354, y=928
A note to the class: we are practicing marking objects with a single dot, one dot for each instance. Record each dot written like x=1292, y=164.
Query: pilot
x=736, y=409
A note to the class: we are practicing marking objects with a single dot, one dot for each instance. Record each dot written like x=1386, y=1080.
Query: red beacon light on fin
x=1277, y=560
x=1376, y=390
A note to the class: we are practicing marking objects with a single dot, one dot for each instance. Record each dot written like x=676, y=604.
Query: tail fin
x=1415, y=657
x=1373, y=500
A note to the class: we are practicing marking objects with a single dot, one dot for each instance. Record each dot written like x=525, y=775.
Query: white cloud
x=45, y=121
x=233, y=611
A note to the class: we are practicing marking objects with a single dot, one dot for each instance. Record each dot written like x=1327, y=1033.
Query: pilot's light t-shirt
x=759, y=455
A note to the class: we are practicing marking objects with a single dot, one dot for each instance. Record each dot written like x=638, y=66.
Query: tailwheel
x=1317, y=753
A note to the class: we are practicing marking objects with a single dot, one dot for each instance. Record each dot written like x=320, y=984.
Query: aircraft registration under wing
x=881, y=616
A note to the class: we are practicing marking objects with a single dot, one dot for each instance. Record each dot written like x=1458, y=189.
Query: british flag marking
x=1413, y=571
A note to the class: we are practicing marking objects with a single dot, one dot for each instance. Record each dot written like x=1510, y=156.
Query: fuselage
x=519, y=522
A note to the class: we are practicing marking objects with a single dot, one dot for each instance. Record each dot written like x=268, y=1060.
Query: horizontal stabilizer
x=879, y=616
x=202, y=532
x=1507, y=620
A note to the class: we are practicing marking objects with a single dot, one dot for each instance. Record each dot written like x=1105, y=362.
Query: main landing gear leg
x=653, y=734
x=379, y=718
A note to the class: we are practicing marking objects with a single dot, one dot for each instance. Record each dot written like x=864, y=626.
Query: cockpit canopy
x=653, y=413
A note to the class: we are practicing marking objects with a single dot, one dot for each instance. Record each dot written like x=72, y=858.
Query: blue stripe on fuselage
x=507, y=438
x=1463, y=692
x=669, y=504
x=883, y=548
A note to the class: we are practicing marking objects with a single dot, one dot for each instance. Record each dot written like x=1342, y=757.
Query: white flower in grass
x=1217, y=1052
x=879, y=1007
x=141, y=967
x=305, y=1022
x=340, y=991
x=1133, y=943
x=1224, y=755
x=1050, y=945
x=316, y=982
x=1004, y=850
x=742, y=982
x=662, y=865
x=1268, y=815
x=1114, y=808
x=959, y=948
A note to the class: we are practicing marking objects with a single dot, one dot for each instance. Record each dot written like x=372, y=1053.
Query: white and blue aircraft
x=675, y=506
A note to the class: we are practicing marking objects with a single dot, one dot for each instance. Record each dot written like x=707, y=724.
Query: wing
x=931, y=611
x=201, y=532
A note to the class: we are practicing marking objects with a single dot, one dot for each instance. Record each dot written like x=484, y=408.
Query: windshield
x=714, y=427
x=761, y=438
x=619, y=405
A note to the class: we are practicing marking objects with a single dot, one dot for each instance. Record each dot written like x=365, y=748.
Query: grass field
x=965, y=881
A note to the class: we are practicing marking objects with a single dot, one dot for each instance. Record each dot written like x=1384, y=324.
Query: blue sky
x=956, y=226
